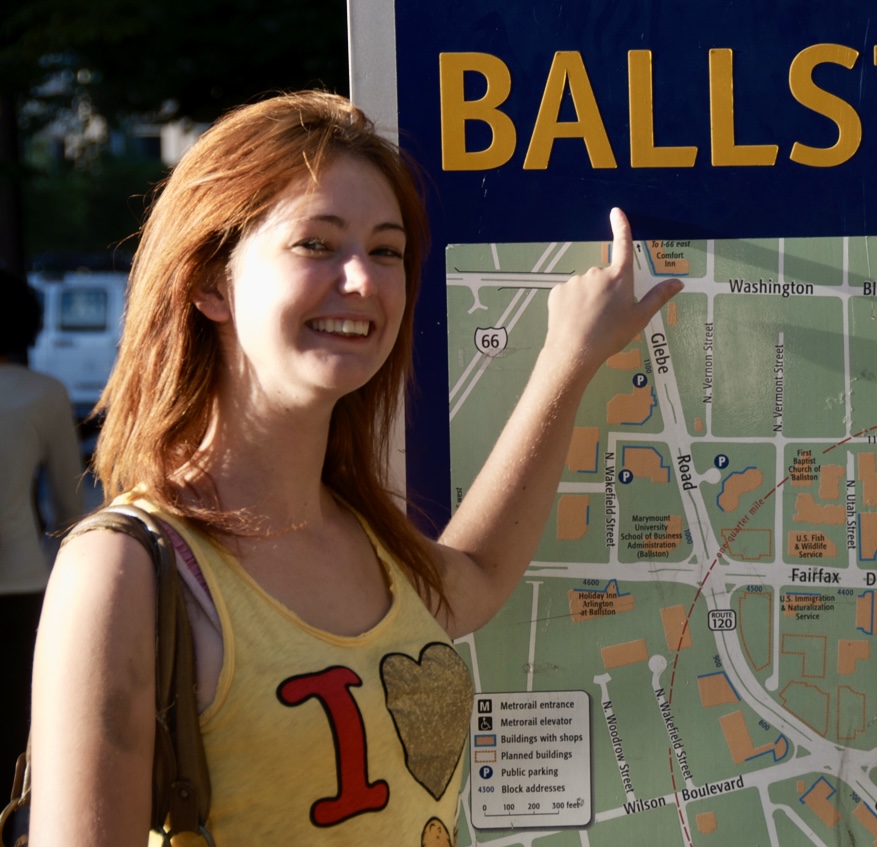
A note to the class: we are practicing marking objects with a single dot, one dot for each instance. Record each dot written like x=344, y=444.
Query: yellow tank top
x=315, y=738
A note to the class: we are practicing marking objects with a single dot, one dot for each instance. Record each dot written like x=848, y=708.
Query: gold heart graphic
x=430, y=700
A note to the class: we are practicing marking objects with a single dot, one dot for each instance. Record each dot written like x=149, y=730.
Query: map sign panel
x=726, y=121
x=709, y=571
x=707, y=576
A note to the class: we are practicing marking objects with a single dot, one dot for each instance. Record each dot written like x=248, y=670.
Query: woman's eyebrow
x=334, y=220
x=337, y=221
x=390, y=226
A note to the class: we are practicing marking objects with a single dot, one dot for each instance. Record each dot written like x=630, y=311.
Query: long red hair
x=160, y=398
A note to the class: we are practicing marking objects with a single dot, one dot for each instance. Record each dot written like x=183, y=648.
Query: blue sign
x=699, y=119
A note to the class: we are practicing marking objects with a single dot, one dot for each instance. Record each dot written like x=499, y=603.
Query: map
x=708, y=574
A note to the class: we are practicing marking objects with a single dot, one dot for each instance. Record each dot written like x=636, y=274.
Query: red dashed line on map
x=839, y=443
x=856, y=435
x=697, y=597
x=676, y=798
x=691, y=612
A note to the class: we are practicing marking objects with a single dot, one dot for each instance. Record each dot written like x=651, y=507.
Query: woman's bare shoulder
x=94, y=693
x=101, y=594
x=102, y=560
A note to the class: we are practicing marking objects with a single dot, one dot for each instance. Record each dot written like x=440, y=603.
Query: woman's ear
x=211, y=298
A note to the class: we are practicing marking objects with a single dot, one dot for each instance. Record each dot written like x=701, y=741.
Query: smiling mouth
x=346, y=327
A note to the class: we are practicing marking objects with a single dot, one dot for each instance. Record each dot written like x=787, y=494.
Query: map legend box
x=538, y=769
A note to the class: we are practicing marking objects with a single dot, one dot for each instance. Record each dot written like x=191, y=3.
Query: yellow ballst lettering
x=456, y=111
x=568, y=69
x=807, y=93
x=643, y=152
x=725, y=150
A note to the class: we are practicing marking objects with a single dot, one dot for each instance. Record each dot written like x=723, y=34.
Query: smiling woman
x=267, y=341
x=314, y=295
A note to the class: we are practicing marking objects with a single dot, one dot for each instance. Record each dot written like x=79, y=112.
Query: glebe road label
x=531, y=759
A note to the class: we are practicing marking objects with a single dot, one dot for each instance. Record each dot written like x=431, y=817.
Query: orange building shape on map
x=868, y=536
x=807, y=510
x=829, y=481
x=716, y=690
x=811, y=545
x=646, y=463
x=868, y=476
x=736, y=485
x=677, y=632
x=587, y=605
x=867, y=818
x=865, y=612
x=581, y=457
x=633, y=408
x=572, y=516
x=818, y=800
x=706, y=822
x=626, y=360
x=666, y=261
x=629, y=653
x=849, y=653
x=739, y=740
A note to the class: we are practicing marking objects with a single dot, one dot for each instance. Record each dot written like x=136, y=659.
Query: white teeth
x=341, y=327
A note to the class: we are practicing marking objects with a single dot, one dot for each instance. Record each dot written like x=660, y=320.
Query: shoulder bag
x=180, y=782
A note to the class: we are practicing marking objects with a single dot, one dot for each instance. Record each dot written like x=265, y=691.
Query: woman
x=268, y=335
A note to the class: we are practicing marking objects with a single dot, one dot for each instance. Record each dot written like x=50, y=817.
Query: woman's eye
x=312, y=245
x=388, y=253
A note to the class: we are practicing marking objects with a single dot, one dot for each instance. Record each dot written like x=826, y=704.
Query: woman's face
x=315, y=295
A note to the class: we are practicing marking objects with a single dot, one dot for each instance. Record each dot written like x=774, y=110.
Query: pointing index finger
x=622, y=241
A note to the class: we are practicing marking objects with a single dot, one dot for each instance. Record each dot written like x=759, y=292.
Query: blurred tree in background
x=96, y=70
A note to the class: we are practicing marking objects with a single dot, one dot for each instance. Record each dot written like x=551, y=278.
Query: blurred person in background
x=36, y=433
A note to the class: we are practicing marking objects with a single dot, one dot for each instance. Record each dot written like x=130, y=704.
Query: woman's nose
x=357, y=276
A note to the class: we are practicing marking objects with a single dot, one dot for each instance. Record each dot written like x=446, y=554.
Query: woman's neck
x=270, y=468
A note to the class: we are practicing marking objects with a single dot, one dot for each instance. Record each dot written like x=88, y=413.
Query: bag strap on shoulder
x=180, y=781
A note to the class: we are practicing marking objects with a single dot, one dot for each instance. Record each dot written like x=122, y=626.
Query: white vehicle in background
x=82, y=321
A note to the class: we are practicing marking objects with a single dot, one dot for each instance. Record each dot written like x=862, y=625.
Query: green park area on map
x=708, y=574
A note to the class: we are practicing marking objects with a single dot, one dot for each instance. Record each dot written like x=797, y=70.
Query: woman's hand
x=488, y=544
x=594, y=315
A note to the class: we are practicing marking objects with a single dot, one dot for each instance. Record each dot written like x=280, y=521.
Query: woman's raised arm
x=492, y=536
x=93, y=725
